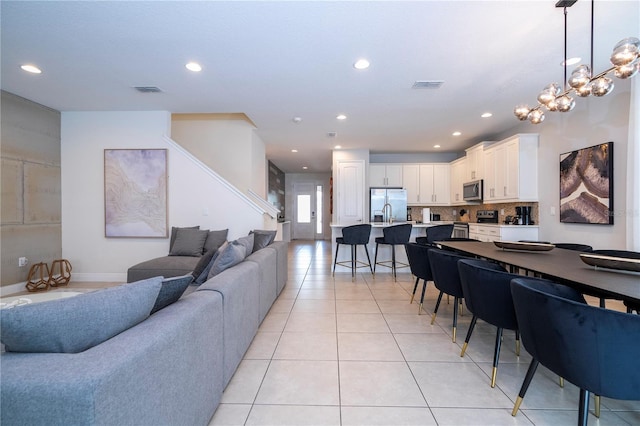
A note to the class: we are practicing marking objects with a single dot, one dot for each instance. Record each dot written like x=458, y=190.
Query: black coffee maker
x=523, y=215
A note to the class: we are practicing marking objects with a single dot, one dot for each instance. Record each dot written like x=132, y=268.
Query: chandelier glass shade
x=625, y=59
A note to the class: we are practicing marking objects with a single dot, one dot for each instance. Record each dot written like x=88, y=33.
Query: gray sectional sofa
x=169, y=369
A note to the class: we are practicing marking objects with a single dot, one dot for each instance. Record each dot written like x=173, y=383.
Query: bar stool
x=354, y=236
x=435, y=233
x=418, y=256
x=392, y=235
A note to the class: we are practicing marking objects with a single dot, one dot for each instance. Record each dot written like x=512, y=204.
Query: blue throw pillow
x=77, y=323
x=172, y=289
x=230, y=255
x=262, y=238
x=247, y=243
x=203, y=273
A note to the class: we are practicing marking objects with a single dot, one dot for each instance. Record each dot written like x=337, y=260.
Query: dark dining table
x=560, y=265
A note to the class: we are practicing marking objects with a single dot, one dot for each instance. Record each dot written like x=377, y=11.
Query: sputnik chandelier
x=626, y=63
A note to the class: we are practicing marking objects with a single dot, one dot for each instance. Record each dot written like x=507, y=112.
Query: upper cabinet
x=458, y=178
x=511, y=169
x=434, y=184
x=411, y=182
x=381, y=175
x=475, y=162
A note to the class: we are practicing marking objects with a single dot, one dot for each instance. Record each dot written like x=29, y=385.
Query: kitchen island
x=417, y=230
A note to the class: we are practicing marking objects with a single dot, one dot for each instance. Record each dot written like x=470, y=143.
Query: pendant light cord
x=564, y=82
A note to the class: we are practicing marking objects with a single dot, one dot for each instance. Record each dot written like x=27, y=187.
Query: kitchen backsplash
x=446, y=213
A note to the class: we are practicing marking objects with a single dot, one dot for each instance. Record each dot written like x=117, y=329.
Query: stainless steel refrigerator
x=395, y=197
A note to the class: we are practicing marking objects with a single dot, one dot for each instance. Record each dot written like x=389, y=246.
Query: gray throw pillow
x=174, y=231
x=77, y=323
x=230, y=255
x=215, y=239
x=247, y=243
x=262, y=238
x=203, y=275
x=189, y=242
x=172, y=289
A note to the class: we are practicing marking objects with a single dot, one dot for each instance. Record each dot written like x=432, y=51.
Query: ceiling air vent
x=427, y=84
x=332, y=134
x=148, y=89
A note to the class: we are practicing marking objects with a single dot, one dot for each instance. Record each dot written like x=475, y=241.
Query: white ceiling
x=274, y=60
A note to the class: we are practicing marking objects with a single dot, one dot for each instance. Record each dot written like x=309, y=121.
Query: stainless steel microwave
x=472, y=191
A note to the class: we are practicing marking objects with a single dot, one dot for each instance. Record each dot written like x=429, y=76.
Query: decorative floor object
x=60, y=273
x=36, y=280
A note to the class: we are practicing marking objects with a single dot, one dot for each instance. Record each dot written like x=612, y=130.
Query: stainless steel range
x=487, y=216
x=460, y=230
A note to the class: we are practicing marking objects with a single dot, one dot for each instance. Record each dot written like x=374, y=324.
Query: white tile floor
x=336, y=352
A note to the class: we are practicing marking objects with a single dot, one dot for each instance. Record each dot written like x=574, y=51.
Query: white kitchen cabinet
x=458, y=174
x=435, y=184
x=350, y=192
x=496, y=232
x=475, y=162
x=511, y=170
x=411, y=182
x=385, y=175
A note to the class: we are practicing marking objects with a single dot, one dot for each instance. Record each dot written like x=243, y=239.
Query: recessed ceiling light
x=294, y=150
x=456, y=133
x=297, y=120
x=571, y=61
x=436, y=146
x=361, y=64
x=31, y=68
x=341, y=117
x=193, y=66
x=304, y=167
x=337, y=147
x=486, y=115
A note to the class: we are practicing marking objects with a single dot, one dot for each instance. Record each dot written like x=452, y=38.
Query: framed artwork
x=586, y=185
x=135, y=193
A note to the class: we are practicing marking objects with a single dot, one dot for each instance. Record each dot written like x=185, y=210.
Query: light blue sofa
x=169, y=369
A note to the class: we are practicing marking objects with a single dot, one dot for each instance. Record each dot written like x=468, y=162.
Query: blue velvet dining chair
x=487, y=294
x=435, y=233
x=418, y=256
x=446, y=278
x=594, y=348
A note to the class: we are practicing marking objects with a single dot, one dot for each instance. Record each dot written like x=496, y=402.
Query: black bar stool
x=435, y=233
x=354, y=236
x=392, y=235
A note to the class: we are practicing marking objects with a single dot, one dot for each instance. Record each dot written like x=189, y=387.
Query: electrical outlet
x=501, y=212
x=22, y=261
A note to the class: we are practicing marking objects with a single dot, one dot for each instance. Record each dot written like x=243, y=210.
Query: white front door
x=304, y=206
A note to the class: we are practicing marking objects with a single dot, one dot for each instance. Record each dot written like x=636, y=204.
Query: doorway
x=307, y=211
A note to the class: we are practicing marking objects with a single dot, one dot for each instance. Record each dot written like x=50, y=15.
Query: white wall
x=194, y=198
x=227, y=145
x=593, y=121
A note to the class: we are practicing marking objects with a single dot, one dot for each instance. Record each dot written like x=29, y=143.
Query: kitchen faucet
x=384, y=209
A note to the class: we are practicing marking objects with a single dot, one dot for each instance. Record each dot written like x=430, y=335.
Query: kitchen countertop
x=503, y=224
x=386, y=224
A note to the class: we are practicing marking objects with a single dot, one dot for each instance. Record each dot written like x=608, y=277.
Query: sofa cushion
x=204, y=273
x=230, y=255
x=215, y=239
x=247, y=243
x=171, y=290
x=78, y=323
x=189, y=242
x=174, y=231
x=262, y=238
x=166, y=266
x=203, y=263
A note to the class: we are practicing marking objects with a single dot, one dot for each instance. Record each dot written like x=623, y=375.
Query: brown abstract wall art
x=586, y=185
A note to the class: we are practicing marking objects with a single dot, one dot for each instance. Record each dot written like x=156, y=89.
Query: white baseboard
x=8, y=290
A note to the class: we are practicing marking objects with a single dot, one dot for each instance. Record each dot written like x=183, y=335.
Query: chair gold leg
x=517, y=347
x=597, y=409
x=494, y=372
x=454, y=334
x=561, y=381
x=464, y=349
x=433, y=318
x=420, y=309
x=516, y=406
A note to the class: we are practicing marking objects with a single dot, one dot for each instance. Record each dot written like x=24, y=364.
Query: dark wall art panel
x=586, y=185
